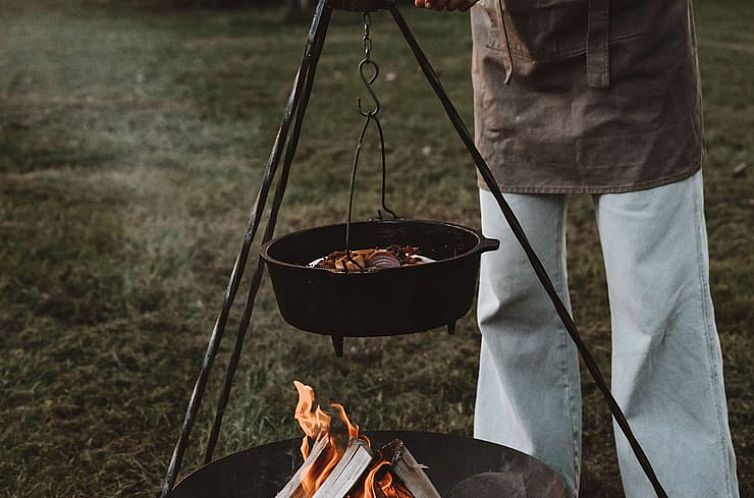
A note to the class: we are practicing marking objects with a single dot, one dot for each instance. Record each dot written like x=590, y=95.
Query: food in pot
x=393, y=256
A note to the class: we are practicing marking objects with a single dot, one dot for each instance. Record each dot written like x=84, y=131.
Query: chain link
x=367, y=36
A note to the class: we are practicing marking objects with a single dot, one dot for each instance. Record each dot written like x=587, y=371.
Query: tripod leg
x=240, y=263
x=277, y=200
x=518, y=231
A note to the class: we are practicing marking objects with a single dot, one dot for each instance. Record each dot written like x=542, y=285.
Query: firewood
x=348, y=471
x=409, y=471
x=355, y=461
x=293, y=488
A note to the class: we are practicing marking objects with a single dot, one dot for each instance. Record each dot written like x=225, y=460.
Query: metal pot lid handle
x=486, y=244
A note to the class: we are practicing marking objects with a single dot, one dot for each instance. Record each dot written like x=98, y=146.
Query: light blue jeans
x=666, y=361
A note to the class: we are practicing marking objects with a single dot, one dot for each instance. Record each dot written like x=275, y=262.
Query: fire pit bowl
x=390, y=301
x=458, y=467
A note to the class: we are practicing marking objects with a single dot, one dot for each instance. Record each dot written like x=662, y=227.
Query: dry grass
x=131, y=145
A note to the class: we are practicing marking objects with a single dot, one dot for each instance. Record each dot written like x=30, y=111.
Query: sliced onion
x=383, y=259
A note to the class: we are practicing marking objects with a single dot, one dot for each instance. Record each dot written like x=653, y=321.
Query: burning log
x=410, y=472
x=294, y=488
x=355, y=461
x=334, y=468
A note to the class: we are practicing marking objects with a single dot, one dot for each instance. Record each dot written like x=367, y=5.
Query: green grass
x=131, y=146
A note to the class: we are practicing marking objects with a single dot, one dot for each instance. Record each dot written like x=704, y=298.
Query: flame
x=353, y=430
x=371, y=478
x=315, y=423
x=380, y=476
x=312, y=421
x=391, y=488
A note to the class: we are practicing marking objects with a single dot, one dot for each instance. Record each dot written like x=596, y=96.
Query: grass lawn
x=131, y=146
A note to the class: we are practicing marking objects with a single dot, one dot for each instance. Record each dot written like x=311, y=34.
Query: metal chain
x=367, y=17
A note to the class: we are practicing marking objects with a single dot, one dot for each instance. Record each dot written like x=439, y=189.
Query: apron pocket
x=541, y=30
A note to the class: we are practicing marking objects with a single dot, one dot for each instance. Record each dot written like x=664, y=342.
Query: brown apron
x=603, y=95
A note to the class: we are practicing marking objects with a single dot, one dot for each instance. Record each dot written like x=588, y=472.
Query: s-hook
x=365, y=63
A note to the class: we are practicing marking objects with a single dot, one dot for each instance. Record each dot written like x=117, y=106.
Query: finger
x=440, y=4
x=419, y=3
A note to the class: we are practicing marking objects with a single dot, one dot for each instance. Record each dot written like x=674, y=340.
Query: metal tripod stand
x=284, y=148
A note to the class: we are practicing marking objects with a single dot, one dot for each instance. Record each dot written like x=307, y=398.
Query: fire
x=386, y=483
x=316, y=423
x=312, y=421
x=353, y=430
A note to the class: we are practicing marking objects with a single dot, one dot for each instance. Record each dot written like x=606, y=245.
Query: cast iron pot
x=390, y=301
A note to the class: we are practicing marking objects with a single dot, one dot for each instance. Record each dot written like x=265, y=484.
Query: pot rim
x=483, y=244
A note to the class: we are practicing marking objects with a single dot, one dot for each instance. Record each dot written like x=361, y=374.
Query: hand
x=462, y=5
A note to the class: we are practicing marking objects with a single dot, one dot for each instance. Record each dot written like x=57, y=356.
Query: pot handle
x=486, y=244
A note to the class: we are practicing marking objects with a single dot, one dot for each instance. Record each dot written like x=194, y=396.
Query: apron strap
x=598, y=48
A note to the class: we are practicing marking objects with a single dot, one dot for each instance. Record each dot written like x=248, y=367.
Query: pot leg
x=452, y=328
x=337, y=344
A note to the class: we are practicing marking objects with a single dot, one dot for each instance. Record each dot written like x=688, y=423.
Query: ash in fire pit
x=346, y=465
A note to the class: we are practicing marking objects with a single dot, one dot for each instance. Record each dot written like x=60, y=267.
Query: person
x=599, y=97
